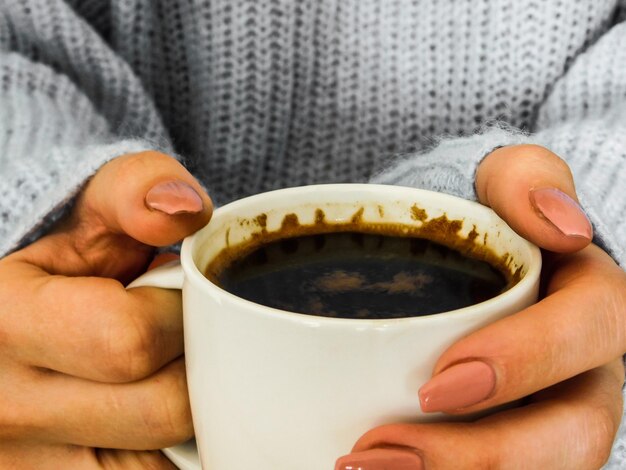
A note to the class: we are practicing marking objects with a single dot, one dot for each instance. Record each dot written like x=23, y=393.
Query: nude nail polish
x=174, y=197
x=381, y=459
x=561, y=211
x=458, y=387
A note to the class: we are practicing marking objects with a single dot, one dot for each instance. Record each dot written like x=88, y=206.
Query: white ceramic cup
x=276, y=390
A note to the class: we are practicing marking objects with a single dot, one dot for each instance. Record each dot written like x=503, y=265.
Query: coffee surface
x=360, y=275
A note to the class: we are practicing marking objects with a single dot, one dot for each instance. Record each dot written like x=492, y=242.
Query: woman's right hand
x=92, y=373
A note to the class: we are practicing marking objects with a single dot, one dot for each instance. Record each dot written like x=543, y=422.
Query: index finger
x=88, y=327
x=580, y=325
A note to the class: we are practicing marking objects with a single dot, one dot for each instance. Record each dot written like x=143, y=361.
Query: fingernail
x=457, y=387
x=562, y=212
x=174, y=197
x=380, y=459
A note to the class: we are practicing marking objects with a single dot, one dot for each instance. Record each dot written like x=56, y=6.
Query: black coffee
x=357, y=275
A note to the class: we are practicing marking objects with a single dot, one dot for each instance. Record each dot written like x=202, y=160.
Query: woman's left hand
x=564, y=353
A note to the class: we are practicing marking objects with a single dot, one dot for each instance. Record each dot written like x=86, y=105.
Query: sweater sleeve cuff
x=34, y=196
x=450, y=166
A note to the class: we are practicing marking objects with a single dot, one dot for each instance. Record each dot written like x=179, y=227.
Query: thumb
x=532, y=189
x=148, y=196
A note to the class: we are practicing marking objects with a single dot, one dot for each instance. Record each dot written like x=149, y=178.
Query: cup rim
x=500, y=301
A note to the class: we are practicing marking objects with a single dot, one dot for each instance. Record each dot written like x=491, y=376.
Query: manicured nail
x=174, y=197
x=561, y=211
x=380, y=459
x=457, y=387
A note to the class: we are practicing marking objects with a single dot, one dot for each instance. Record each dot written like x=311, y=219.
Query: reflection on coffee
x=360, y=275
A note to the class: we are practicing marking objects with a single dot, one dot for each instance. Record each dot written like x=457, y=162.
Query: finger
x=152, y=413
x=532, y=189
x=114, y=459
x=88, y=327
x=30, y=454
x=134, y=201
x=578, y=326
x=35, y=455
x=149, y=196
x=572, y=426
x=161, y=259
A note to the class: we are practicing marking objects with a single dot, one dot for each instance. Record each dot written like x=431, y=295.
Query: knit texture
x=263, y=94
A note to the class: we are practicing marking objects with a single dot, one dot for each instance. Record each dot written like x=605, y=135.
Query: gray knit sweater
x=262, y=94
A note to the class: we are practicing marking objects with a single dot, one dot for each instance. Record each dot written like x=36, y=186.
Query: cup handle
x=167, y=276
x=170, y=276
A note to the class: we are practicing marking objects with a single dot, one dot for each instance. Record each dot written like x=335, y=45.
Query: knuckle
x=532, y=154
x=129, y=344
x=12, y=420
x=531, y=151
x=496, y=457
x=152, y=460
x=18, y=417
x=600, y=426
x=137, y=163
x=169, y=414
x=610, y=318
